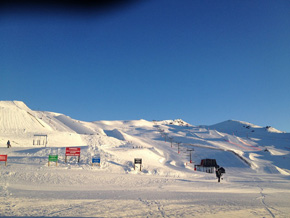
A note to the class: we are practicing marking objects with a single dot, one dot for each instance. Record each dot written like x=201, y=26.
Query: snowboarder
x=8, y=144
x=219, y=172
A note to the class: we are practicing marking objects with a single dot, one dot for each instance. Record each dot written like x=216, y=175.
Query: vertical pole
x=65, y=158
x=48, y=163
x=178, y=144
x=190, y=150
x=56, y=163
x=165, y=136
x=171, y=140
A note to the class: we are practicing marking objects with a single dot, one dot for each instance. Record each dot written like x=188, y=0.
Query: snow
x=256, y=183
x=231, y=126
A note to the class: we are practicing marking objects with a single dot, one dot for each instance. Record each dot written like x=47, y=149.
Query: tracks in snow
x=154, y=203
x=262, y=198
x=6, y=204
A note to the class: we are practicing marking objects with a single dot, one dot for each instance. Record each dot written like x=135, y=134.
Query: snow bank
x=116, y=134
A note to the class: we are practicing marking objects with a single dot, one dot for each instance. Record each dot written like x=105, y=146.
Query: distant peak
x=177, y=122
x=236, y=125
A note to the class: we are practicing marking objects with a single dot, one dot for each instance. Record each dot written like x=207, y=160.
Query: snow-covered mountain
x=22, y=126
x=256, y=159
x=232, y=126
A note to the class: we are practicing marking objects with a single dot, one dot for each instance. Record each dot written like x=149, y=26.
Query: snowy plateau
x=256, y=160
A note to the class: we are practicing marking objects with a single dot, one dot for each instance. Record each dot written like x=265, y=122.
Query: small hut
x=206, y=165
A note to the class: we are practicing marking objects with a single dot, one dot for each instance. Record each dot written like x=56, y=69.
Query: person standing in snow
x=8, y=144
x=219, y=172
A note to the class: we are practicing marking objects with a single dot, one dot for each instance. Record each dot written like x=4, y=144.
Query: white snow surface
x=256, y=159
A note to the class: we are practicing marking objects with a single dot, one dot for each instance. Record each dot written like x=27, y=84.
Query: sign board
x=96, y=160
x=4, y=158
x=72, y=151
x=52, y=158
x=137, y=161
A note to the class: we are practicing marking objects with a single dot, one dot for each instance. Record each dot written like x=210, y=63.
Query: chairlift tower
x=171, y=140
x=165, y=136
x=190, y=150
x=178, y=147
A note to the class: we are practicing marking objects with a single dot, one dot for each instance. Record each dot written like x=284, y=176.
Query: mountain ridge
x=160, y=139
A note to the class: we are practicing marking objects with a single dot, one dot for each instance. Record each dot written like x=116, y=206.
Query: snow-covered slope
x=16, y=116
x=119, y=140
x=256, y=162
x=264, y=136
x=232, y=126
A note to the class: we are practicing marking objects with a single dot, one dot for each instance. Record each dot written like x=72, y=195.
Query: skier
x=8, y=144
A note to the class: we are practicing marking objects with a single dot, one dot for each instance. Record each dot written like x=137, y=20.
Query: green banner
x=53, y=158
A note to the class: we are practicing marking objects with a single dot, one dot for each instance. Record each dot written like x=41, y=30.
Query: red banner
x=72, y=151
x=3, y=157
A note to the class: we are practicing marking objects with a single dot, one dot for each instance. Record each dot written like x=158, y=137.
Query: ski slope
x=256, y=159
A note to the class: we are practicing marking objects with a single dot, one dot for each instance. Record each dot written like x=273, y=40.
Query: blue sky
x=202, y=61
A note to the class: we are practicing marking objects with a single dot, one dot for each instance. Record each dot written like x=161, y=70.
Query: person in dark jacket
x=8, y=144
x=219, y=172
